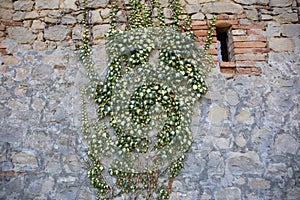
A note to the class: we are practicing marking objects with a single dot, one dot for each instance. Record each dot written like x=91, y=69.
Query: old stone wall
x=246, y=128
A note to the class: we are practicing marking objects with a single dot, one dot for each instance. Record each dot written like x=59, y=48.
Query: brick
x=198, y=23
x=254, y=32
x=254, y=71
x=11, y=23
x=224, y=23
x=201, y=33
x=227, y=64
x=245, y=64
x=3, y=52
x=3, y=69
x=239, y=32
x=251, y=50
x=198, y=27
x=228, y=70
x=249, y=44
x=250, y=57
x=212, y=51
x=7, y=173
x=249, y=38
x=59, y=67
x=2, y=28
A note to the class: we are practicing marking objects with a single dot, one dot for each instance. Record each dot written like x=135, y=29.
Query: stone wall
x=246, y=128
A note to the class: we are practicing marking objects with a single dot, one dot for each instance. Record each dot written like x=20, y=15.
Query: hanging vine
x=137, y=144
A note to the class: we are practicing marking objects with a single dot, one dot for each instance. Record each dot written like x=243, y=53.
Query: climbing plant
x=138, y=141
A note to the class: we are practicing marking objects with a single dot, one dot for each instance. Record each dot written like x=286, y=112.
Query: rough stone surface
x=20, y=34
x=281, y=44
x=245, y=129
x=56, y=33
x=290, y=30
x=222, y=7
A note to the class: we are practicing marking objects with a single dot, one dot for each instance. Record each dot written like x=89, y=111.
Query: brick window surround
x=247, y=45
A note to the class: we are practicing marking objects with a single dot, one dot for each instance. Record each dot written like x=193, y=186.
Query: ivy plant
x=138, y=141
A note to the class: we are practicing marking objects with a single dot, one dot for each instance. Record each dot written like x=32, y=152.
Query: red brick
x=3, y=70
x=250, y=57
x=59, y=67
x=249, y=44
x=245, y=63
x=7, y=173
x=241, y=16
x=227, y=64
x=249, y=38
x=196, y=27
x=11, y=23
x=248, y=27
x=250, y=50
x=228, y=70
x=201, y=33
x=198, y=22
x=3, y=52
x=254, y=71
x=212, y=51
x=254, y=32
x=224, y=23
x=2, y=28
x=223, y=17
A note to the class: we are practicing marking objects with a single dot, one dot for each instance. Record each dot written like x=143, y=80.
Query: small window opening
x=224, y=41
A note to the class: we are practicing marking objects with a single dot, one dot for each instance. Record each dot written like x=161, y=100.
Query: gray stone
x=6, y=4
x=73, y=163
x=287, y=18
x=97, y=4
x=252, y=14
x=259, y=184
x=46, y=4
x=244, y=163
x=222, y=7
x=5, y=14
x=285, y=143
x=21, y=35
x=244, y=116
x=24, y=160
x=198, y=16
x=240, y=141
x=24, y=5
x=96, y=18
x=56, y=33
x=245, y=2
x=68, y=4
x=37, y=25
x=232, y=97
x=192, y=8
x=32, y=15
x=281, y=3
x=290, y=30
x=68, y=20
x=217, y=114
x=273, y=29
x=99, y=31
x=282, y=44
x=105, y=13
x=231, y=193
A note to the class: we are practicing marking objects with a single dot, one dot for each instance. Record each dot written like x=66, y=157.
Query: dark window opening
x=224, y=44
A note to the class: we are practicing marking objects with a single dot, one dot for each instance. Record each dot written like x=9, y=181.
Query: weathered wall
x=246, y=128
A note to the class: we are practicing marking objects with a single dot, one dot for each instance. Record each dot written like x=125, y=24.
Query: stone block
x=6, y=14
x=24, y=160
x=99, y=31
x=197, y=16
x=287, y=18
x=21, y=35
x=32, y=15
x=244, y=163
x=37, y=25
x=6, y=4
x=95, y=17
x=285, y=143
x=244, y=116
x=73, y=163
x=280, y=3
x=282, y=44
x=231, y=193
x=217, y=114
x=245, y=2
x=23, y=5
x=290, y=30
x=97, y=4
x=222, y=7
x=68, y=4
x=259, y=184
x=46, y=4
x=192, y=8
x=56, y=33
x=232, y=98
